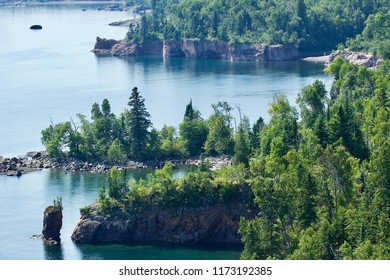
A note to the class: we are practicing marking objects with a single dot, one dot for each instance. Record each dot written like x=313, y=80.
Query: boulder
x=365, y=59
x=36, y=27
x=36, y=155
x=104, y=46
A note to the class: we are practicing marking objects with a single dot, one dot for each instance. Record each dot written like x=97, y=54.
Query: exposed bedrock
x=184, y=225
x=206, y=49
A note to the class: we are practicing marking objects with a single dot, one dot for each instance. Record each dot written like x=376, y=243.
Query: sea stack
x=52, y=223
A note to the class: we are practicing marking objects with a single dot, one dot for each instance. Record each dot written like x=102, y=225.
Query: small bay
x=51, y=74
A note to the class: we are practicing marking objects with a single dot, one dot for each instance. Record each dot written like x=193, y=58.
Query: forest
x=318, y=177
x=314, y=26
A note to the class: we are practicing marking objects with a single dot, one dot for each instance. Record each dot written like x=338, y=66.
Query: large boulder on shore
x=183, y=225
x=360, y=58
x=52, y=224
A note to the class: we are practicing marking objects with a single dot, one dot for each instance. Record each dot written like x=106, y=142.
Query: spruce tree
x=139, y=121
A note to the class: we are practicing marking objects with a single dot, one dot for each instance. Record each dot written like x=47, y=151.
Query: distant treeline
x=313, y=25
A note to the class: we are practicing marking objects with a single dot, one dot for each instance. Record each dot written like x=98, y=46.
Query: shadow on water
x=153, y=251
x=199, y=67
x=53, y=252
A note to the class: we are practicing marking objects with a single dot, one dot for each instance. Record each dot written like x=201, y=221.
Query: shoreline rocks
x=22, y=165
x=205, y=49
x=36, y=161
x=183, y=225
x=360, y=58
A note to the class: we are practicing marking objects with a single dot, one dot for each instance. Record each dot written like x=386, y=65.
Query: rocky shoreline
x=207, y=49
x=360, y=58
x=182, y=225
x=36, y=161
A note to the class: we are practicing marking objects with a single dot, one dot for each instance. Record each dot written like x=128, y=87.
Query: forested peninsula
x=308, y=185
x=253, y=30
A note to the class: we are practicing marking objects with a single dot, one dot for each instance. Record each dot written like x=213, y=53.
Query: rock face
x=366, y=59
x=206, y=49
x=216, y=224
x=52, y=224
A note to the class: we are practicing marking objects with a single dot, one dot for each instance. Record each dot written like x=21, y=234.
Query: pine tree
x=189, y=111
x=139, y=121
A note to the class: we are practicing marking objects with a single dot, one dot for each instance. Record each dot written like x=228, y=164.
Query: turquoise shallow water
x=50, y=74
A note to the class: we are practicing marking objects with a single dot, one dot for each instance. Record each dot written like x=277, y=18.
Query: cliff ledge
x=183, y=225
x=215, y=49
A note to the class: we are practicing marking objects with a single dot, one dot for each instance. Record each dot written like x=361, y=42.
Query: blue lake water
x=51, y=74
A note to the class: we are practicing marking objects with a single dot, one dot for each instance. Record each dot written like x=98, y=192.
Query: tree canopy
x=314, y=26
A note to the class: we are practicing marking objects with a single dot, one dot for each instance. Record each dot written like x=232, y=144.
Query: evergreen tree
x=241, y=143
x=189, y=113
x=139, y=122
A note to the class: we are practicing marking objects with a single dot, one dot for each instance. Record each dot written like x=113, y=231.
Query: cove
x=51, y=74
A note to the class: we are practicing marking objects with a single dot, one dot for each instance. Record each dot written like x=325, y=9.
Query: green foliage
x=116, y=153
x=85, y=211
x=139, y=121
x=116, y=184
x=312, y=25
x=322, y=186
x=375, y=36
x=57, y=204
x=219, y=140
x=197, y=188
x=241, y=143
x=311, y=102
x=171, y=145
x=56, y=138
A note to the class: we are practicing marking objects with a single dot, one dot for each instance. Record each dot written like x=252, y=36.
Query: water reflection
x=199, y=67
x=159, y=252
x=53, y=252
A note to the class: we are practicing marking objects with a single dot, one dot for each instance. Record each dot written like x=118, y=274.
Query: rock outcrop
x=184, y=225
x=52, y=224
x=21, y=165
x=360, y=58
x=36, y=27
x=206, y=49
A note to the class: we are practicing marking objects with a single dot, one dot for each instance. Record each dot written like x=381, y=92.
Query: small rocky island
x=36, y=27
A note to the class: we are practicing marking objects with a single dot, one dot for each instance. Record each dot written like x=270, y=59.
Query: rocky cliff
x=215, y=49
x=184, y=225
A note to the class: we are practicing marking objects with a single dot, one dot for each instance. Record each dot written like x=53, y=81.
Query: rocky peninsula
x=36, y=161
x=206, y=49
x=184, y=225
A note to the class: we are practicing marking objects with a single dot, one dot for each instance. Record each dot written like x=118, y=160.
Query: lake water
x=51, y=73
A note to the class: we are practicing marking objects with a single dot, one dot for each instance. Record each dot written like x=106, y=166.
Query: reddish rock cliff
x=184, y=225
